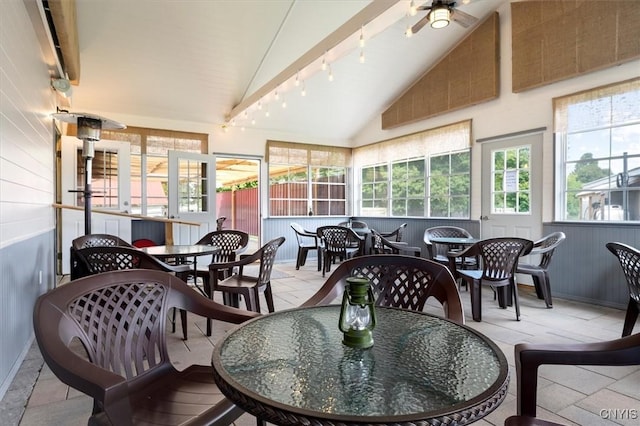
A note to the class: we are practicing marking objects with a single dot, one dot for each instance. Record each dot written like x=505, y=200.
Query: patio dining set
x=287, y=367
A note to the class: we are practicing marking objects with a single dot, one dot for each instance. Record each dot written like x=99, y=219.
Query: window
x=510, y=189
x=597, y=136
x=150, y=172
x=449, y=185
x=394, y=182
x=104, y=179
x=408, y=188
x=307, y=179
x=375, y=191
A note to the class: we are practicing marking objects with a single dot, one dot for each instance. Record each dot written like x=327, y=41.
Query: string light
x=324, y=62
x=297, y=82
x=330, y=74
x=284, y=103
x=408, y=32
x=303, y=91
x=276, y=96
x=259, y=105
x=412, y=8
x=362, y=56
x=266, y=112
x=361, y=38
x=253, y=121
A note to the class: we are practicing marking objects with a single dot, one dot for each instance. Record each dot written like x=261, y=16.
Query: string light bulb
x=324, y=62
x=266, y=112
x=297, y=81
x=284, y=103
x=303, y=91
x=413, y=10
x=276, y=96
x=361, y=37
x=408, y=32
x=330, y=74
x=362, y=56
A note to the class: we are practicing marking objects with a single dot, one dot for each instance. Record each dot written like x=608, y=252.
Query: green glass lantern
x=357, y=316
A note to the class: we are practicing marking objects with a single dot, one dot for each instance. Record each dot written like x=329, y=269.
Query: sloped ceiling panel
x=468, y=75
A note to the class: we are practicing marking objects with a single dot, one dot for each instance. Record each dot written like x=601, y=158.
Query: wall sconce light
x=62, y=86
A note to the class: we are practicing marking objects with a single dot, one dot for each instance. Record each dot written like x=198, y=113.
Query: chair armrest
x=528, y=357
x=471, y=251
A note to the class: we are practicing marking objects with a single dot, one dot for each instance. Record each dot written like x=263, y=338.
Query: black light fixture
x=89, y=127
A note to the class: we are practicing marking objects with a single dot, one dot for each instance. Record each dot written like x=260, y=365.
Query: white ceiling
x=195, y=60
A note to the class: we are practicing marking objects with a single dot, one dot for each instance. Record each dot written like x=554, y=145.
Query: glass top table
x=291, y=368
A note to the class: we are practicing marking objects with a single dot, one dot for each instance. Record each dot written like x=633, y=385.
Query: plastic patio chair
x=540, y=272
x=398, y=281
x=97, y=260
x=396, y=235
x=118, y=319
x=307, y=241
x=528, y=357
x=381, y=245
x=92, y=240
x=336, y=244
x=240, y=284
x=629, y=258
x=499, y=261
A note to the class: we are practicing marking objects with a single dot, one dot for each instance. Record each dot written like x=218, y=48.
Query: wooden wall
x=556, y=40
x=466, y=76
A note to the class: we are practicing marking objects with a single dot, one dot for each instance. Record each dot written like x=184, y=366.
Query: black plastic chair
x=499, y=258
x=528, y=357
x=381, y=245
x=398, y=281
x=396, y=235
x=440, y=252
x=92, y=240
x=336, y=244
x=540, y=272
x=307, y=241
x=98, y=260
x=241, y=284
x=629, y=258
x=119, y=319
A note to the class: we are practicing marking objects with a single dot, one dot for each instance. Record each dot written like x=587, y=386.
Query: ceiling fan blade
x=421, y=23
x=463, y=18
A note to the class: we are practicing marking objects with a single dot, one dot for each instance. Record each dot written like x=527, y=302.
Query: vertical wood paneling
x=27, y=183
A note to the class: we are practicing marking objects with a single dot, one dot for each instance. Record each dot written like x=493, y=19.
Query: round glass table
x=291, y=368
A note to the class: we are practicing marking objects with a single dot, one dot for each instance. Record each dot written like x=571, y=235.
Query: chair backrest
x=267, y=259
x=546, y=246
x=120, y=319
x=98, y=240
x=303, y=237
x=220, y=222
x=78, y=269
x=440, y=250
x=381, y=245
x=398, y=281
x=629, y=258
x=500, y=257
x=230, y=241
x=98, y=259
x=335, y=238
x=354, y=224
x=398, y=233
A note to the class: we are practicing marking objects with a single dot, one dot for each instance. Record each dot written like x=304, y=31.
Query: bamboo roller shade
x=468, y=75
x=556, y=40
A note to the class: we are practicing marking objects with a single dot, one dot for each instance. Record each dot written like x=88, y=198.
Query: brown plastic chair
x=398, y=281
x=528, y=357
x=396, y=235
x=336, y=244
x=439, y=252
x=499, y=261
x=307, y=240
x=540, y=272
x=381, y=245
x=629, y=258
x=232, y=243
x=92, y=240
x=243, y=285
x=97, y=260
x=118, y=317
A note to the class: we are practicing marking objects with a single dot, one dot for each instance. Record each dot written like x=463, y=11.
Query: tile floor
x=569, y=395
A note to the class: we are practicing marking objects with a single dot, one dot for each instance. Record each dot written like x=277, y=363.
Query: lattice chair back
x=105, y=259
x=231, y=243
x=267, y=259
x=547, y=245
x=500, y=257
x=334, y=238
x=398, y=281
x=92, y=240
x=629, y=258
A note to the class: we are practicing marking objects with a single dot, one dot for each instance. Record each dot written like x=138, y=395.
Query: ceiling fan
x=441, y=12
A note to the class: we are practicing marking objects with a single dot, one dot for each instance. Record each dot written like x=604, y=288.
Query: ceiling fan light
x=439, y=17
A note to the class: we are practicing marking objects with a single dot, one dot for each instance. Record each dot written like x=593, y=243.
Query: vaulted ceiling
x=195, y=60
